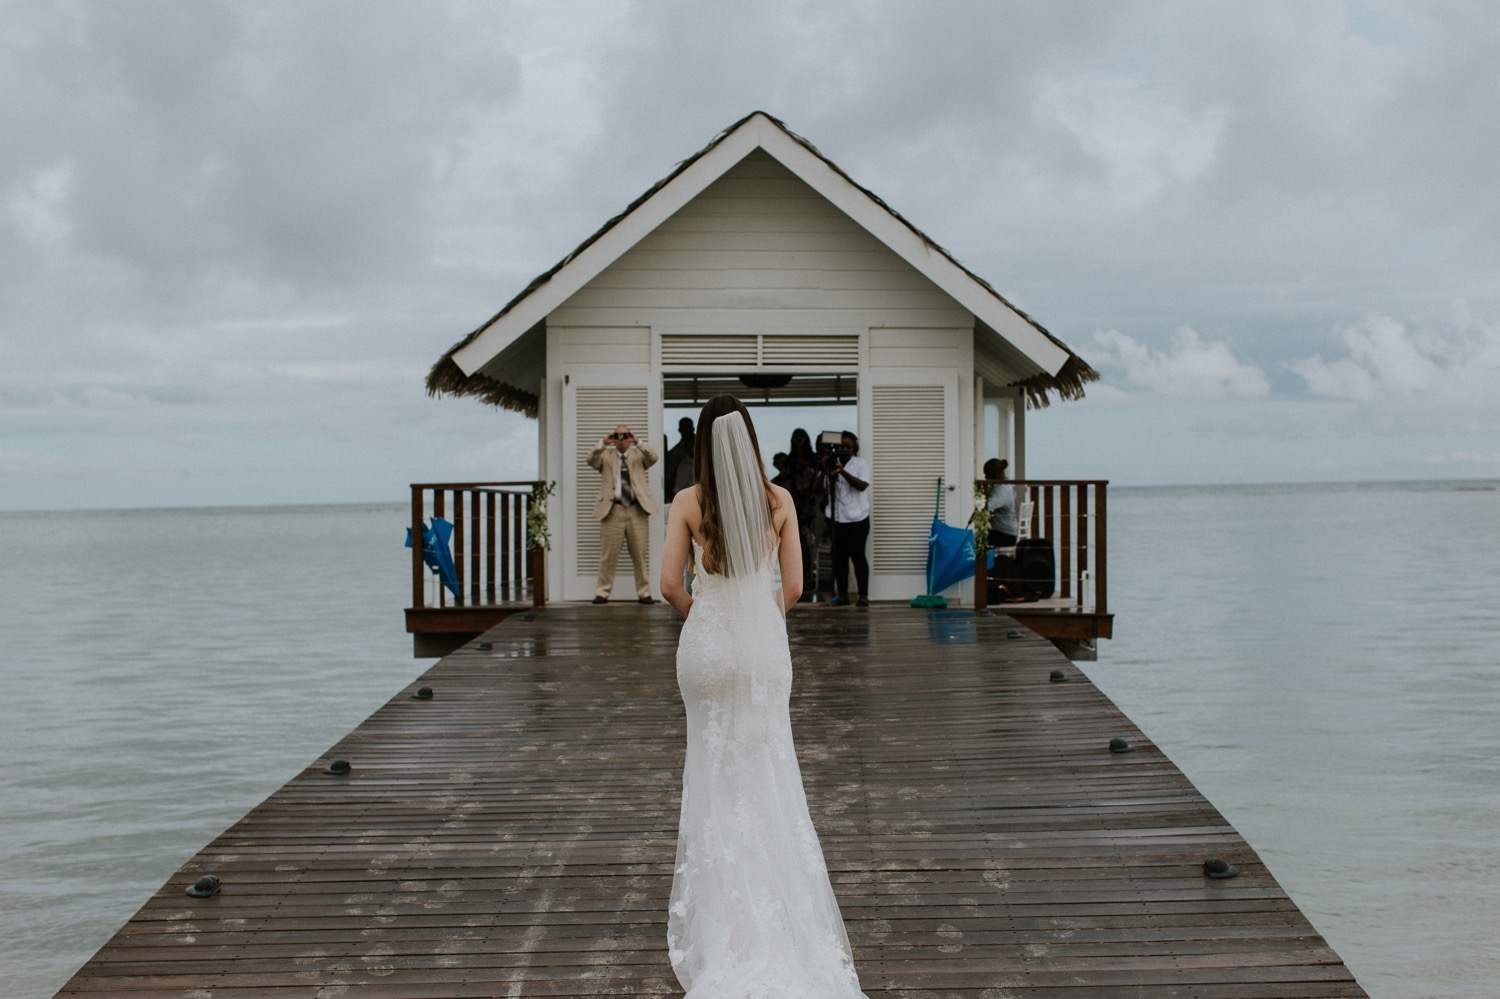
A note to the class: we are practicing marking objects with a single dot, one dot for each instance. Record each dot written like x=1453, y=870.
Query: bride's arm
x=675, y=552
x=791, y=549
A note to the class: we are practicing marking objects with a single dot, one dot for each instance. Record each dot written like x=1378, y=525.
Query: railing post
x=440, y=509
x=494, y=546
x=1100, y=606
x=1083, y=528
x=459, y=549
x=518, y=558
x=539, y=587
x=476, y=545
x=418, y=579
x=538, y=559
x=1065, y=542
x=981, y=571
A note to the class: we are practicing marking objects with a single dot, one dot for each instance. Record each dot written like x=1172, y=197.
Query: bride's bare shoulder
x=783, y=506
x=686, y=504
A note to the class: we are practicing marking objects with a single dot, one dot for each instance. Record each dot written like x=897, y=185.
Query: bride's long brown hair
x=703, y=472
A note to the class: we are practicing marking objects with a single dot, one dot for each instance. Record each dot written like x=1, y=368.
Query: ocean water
x=1324, y=663
x=1320, y=660
x=163, y=671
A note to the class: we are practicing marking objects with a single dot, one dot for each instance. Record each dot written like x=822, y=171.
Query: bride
x=752, y=912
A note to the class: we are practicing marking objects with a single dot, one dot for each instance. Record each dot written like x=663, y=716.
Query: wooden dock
x=514, y=835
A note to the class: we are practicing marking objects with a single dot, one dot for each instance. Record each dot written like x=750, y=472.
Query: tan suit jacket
x=606, y=458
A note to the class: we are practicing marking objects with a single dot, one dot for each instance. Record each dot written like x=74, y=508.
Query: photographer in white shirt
x=848, y=511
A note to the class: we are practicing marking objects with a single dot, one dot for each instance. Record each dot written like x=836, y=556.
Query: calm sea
x=1320, y=660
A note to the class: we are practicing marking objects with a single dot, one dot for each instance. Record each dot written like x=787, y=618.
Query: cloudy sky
x=234, y=236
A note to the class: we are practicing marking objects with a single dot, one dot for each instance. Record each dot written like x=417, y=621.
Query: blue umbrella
x=950, y=556
x=437, y=552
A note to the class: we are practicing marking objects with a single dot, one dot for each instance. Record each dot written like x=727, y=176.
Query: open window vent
x=702, y=351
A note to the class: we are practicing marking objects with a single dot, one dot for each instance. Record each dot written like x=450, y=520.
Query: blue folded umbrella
x=437, y=551
x=950, y=556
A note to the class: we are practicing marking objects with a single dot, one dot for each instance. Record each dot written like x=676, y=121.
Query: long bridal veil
x=744, y=510
x=752, y=913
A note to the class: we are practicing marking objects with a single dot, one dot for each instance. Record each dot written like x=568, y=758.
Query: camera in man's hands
x=829, y=458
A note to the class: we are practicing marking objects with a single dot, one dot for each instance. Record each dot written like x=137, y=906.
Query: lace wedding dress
x=752, y=914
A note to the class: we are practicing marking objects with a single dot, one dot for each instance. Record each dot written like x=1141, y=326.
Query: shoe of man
x=862, y=602
x=601, y=600
x=646, y=600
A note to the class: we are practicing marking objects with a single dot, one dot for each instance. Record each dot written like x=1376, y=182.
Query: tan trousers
x=625, y=524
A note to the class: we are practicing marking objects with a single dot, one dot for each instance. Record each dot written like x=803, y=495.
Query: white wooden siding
x=610, y=347
x=759, y=251
x=906, y=349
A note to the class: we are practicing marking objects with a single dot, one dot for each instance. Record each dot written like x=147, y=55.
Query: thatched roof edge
x=447, y=378
x=1067, y=383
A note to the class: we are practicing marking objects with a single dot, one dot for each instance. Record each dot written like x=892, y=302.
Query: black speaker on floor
x=1038, y=567
x=1006, y=573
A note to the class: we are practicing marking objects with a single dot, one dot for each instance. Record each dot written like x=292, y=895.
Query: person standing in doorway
x=807, y=492
x=623, y=506
x=679, y=460
x=848, y=511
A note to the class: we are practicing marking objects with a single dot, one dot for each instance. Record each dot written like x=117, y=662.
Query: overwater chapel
x=759, y=267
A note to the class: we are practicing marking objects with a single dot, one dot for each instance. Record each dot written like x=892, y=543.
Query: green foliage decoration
x=981, y=518
x=537, y=536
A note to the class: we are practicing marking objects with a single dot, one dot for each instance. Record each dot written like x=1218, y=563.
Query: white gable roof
x=1022, y=335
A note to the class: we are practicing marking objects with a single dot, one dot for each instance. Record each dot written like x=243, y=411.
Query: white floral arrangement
x=981, y=517
x=537, y=536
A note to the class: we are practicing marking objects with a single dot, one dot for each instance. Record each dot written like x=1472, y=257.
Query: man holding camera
x=848, y=513
x=623, y=505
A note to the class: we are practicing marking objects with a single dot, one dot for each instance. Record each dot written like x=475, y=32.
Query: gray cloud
x=247, y=229
x=1190, y=367
x=275, y=142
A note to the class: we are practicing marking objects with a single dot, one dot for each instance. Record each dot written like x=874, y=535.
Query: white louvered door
x=911, y=423
x=591, y=412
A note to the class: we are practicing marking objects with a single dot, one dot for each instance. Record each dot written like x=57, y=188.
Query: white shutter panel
x=598, y=410
x=907, y=454
x=709, y=350
x=810, y=351
x=748, y=351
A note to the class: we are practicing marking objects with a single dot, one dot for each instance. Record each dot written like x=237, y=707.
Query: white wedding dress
x=752, y=913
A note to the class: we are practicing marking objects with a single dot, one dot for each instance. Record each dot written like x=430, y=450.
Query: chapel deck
x=514, y=835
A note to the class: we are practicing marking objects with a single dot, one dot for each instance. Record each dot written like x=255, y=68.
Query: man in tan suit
x=623, y=505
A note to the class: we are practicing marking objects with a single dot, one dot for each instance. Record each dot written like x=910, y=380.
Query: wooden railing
x=1071, y=513
x=490, y=558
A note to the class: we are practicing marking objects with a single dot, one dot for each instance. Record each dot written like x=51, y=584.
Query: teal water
x=1324, y=664
x=1320, y=660
x=163, y=672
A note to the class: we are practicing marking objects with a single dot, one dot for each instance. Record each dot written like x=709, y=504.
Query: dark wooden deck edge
x=1057, y=622
x=514, y=835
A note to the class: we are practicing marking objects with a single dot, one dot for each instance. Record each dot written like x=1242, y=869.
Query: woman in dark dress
x=801, y=479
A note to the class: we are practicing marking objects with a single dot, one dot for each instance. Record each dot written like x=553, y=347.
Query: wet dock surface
x=515, y=834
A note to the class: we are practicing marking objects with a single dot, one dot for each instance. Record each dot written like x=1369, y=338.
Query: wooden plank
x=515, y=835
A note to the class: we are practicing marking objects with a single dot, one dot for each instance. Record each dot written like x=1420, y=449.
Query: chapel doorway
x=822, y=405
